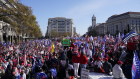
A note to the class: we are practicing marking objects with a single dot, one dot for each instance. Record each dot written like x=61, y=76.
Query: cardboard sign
x=84, y=73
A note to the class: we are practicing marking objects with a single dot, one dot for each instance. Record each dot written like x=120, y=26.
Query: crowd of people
x=49, y=59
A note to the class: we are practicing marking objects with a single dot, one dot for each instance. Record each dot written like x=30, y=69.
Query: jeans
x=83, y=65
x=76, y=67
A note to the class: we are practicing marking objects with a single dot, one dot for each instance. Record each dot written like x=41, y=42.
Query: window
x=132, y=22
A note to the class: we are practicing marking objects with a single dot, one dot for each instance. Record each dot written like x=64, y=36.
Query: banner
x=66, y=42
x=136, y=66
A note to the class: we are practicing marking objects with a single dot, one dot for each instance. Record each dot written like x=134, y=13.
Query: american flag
x=103, y=50
x=128, y=36
x=136, y=66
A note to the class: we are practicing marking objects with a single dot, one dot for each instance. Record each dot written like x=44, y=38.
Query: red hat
x=4, y=61
x=98, y=58
x=106, y=59
x=31, y=56
x=119, y=62
x=28, y=65
x=22, y=63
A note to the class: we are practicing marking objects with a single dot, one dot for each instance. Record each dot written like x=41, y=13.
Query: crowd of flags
x=119, y=38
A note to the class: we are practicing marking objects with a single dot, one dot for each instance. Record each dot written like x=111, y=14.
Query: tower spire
x=93, y=21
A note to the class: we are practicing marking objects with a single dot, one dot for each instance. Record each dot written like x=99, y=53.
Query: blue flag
x=136, y=66
x=128, y=36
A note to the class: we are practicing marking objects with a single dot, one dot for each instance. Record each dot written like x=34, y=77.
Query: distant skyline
x=81, y=11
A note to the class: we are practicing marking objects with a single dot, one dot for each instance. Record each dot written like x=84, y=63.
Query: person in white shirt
x=89, y=53
x=98, y=66
x=117, y=71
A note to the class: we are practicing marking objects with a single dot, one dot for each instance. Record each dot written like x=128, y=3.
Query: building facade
x=74, y=31
x=7, y=31
x=59, y=26
x=100, y=28
x=123, y=23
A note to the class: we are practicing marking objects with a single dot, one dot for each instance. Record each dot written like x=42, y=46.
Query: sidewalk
x=94, y=75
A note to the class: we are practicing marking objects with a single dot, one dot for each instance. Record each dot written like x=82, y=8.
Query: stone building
x=8, y=32
x=100, y=28
x=59, y=26
x=123, y=23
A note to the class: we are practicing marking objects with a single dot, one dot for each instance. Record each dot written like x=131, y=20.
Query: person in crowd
x=98, y=66
x=69, y=55
x=83, y=60
x=41, y=74
x=123, y=54
x=23, y=74
x=75, y=61
x=89, y=53
x=107, y=67
x=15, y=73
x=70, y=72
x=117, y=71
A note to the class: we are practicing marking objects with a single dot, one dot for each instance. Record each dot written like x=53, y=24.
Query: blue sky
x=81, y=11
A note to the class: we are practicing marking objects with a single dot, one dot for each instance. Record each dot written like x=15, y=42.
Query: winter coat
x=62, y=56
x=98, y=63
x=89, y=52
x=117, y=71
x=83, y=59
x=75, y=58
x=107, y=67
x=131, y=46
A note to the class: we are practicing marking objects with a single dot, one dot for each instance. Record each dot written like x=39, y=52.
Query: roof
x=127, y=13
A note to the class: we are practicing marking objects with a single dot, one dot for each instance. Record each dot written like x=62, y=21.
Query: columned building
x=7, y=33
x=123, y=23
x=60, y=26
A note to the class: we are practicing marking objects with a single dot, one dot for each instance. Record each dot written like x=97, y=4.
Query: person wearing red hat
x=75, y=61
x=83, y=60
x=107, y=66
x=98, y=66
x=117, y=71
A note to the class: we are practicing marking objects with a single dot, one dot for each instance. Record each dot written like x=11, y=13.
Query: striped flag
x=128, y=36
x=136, y=66
x=103, y=50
